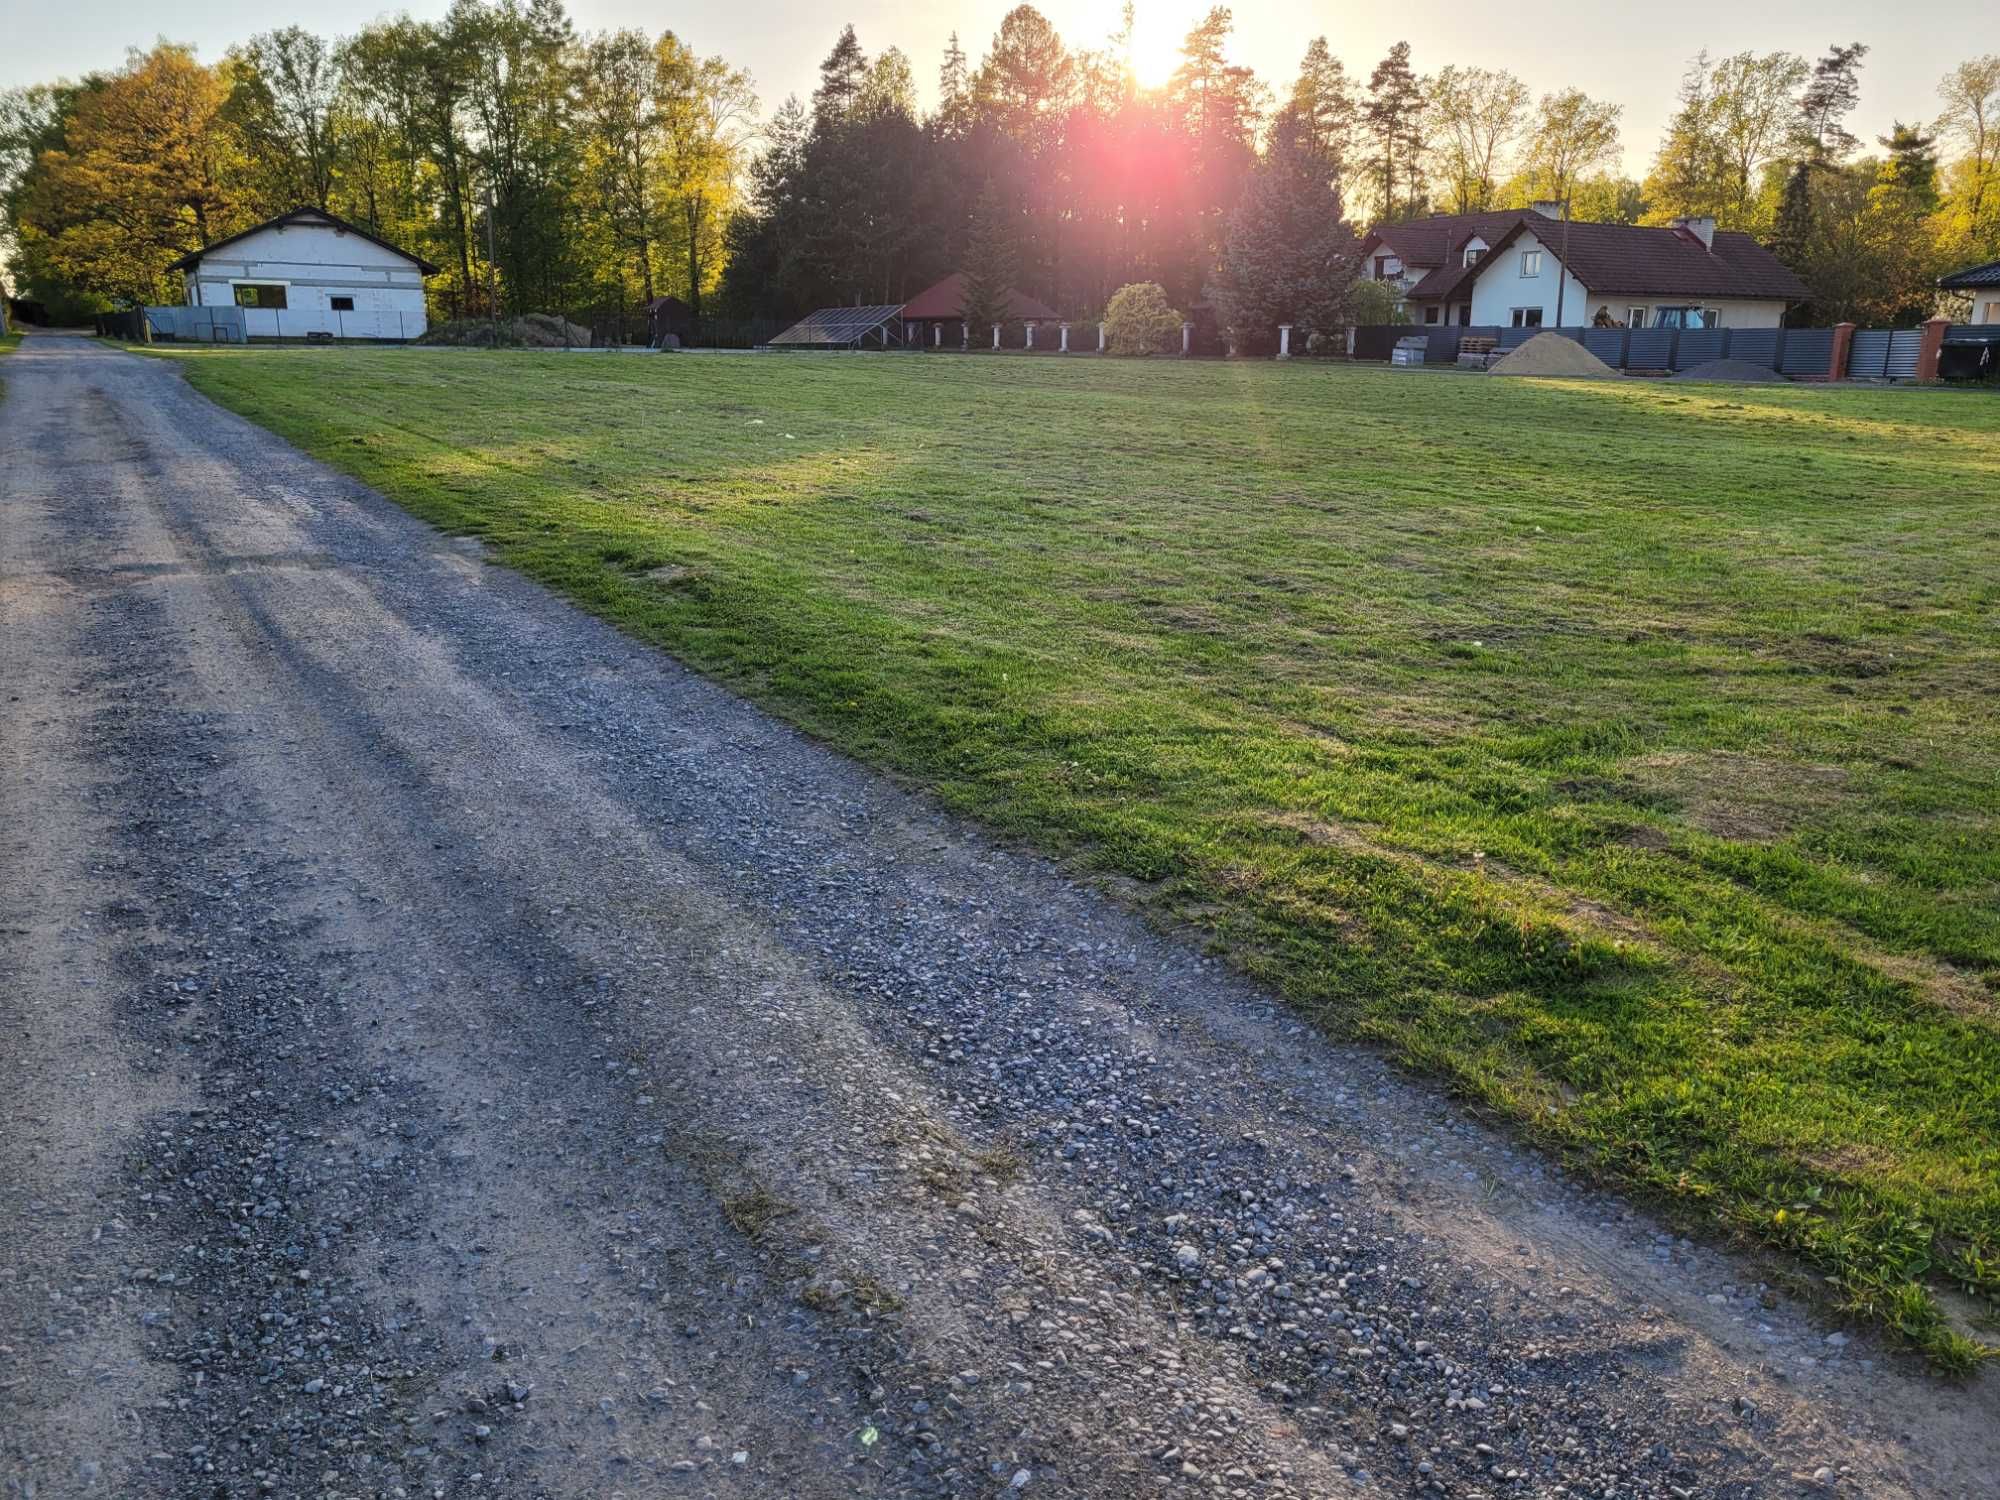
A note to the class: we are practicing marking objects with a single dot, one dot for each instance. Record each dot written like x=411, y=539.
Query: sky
x=1632, y=54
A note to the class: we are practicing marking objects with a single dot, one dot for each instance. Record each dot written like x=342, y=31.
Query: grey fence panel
x=1608, y=344
x=1807, y=351
x=1651, y=349
x=1700, y=345
x=1868, y=355
x=1901, y=361
x=1514, y=338
x=1756, y=346
x=1443, y=347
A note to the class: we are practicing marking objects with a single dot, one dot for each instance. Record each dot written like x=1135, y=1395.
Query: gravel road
x=446, y=1049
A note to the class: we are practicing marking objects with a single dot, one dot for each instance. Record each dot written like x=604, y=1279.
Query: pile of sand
x=1740, y=370
x=1555, y=355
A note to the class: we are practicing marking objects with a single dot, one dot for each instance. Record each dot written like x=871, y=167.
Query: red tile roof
x=947, y=300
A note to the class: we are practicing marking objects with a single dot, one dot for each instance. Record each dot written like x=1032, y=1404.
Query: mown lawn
x=1628, y=755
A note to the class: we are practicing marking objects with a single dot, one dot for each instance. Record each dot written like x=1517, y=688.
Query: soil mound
x=1740, y=370
x=1554, y=355
x=532, y=331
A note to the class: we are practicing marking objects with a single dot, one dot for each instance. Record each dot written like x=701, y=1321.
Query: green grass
x=1624, y=754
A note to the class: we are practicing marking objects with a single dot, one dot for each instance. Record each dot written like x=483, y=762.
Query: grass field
x=1625, y=754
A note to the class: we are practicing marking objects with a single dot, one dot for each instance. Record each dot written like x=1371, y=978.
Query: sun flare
x=1155, y=48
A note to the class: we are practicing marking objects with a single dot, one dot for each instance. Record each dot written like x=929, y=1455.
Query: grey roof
x=1971, y=276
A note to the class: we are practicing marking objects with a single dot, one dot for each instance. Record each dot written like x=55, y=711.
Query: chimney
x=1701, y=228
x=1548, y=208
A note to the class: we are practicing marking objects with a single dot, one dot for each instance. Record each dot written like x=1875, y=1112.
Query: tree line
x=588, y=173
x=553, y=170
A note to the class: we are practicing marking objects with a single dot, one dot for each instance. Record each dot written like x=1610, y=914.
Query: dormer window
x=1474, y=254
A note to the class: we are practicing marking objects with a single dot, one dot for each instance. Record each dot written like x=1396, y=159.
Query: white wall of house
x=1985, y=305
x=1501, y=287
x=335, y=282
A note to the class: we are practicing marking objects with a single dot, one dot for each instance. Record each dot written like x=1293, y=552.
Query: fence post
x=1031, y=335
x=1284, y=341
x=1064, y=329
x=996, y=335
x=1187, y=339
x=1100, y=338
x=1843, y=343
x=1931, y=347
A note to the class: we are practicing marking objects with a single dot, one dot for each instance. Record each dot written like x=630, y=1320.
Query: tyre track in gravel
x=569, y=1082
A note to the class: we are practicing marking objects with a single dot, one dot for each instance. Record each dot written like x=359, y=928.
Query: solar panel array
x=838, y=326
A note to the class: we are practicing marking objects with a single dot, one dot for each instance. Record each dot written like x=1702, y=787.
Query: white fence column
x=996, y=335
x=1065, y=338
x=937, y=335
x=1100, y=338
x=1187, y=339
x=1031, y=335
x=1284, y=341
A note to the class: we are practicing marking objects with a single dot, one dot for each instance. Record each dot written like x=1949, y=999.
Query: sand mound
x=1740, y=370
x=1554, y=355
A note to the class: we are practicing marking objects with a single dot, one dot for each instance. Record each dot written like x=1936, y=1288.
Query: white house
x=1982, y=285
x=307, y=272
x=1526, y=268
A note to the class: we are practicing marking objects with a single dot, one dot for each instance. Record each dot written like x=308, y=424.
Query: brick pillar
x=1843, y=341
x=1933, y=344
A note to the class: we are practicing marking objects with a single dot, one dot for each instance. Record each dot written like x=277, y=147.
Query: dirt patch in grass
x=1963, y=994
x=1748, y=797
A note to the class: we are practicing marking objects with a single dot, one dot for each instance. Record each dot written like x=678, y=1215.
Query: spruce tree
x=1288, y=260
x=989, y=266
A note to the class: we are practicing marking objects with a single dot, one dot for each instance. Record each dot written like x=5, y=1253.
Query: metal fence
x=240, y=325
x=1791, y=351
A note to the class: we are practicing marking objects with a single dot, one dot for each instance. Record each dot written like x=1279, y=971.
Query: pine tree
x=989, y=266
x=840, y=78
x=954, y=116
x=1394, y=119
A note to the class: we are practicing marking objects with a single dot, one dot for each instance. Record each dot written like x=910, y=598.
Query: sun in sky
x=1154, y=49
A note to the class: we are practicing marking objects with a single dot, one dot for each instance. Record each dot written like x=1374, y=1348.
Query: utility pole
x=492, y=265
x=1562, y=271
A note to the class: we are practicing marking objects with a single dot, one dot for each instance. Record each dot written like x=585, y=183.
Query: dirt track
x=446, y=1049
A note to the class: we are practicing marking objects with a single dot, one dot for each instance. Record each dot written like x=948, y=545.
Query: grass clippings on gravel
x=1625, y=754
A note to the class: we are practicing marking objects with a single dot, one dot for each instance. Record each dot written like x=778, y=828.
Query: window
x=342, y=304
x=1685, y=317
x=1992, y=313
x=1474, y=254
x=1431, y=313
x=1531, y=262
x=1635, y=317
x=1381, y=268
x=1527, y=317
x=260, y=296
